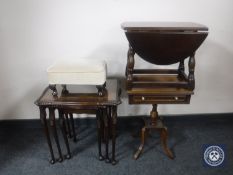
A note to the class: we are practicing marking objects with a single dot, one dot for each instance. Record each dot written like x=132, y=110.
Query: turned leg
x=72, y=126
x=129, y=68
x=181, y=70
x=163, y=136
x=106, y=128
x=53, y=88
x=140, y=149
x=46, y=131
x=191, y=77
x=54, y=129
x=99, y=132
x=114, y=122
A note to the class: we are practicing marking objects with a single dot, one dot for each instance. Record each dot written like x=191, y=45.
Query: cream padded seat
x=78, y=72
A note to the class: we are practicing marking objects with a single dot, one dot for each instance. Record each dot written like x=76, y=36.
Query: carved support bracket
x=191, y=77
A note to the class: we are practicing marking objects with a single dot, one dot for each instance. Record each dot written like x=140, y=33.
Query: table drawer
x=159, y=99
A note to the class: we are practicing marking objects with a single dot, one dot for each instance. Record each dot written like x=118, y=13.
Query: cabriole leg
x=62, y=126
x=73, y=127
x=140, y=149
x=67, y=123
x=54, y=130
x=114, y=122
x=99, y=132
x=46, y=131
x=106, y=133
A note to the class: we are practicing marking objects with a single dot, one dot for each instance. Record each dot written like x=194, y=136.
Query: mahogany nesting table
x=68, y=101
x=161, y=43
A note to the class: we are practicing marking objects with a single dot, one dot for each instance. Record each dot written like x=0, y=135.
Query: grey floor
x=23, y=150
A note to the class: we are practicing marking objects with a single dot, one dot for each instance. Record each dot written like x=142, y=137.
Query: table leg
x=62, y=126
x=54, y=130
x=106, y=128
x=99, y=132
x=164, y=134
x=114, y=122
x=140, y=149
x=45, y=126
x=68, y=125
x=72, y=126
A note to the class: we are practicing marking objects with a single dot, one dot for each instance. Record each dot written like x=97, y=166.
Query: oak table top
x=164, y=43
x=164, y=26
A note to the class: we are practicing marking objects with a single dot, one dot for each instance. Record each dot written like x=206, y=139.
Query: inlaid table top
x=86, y=96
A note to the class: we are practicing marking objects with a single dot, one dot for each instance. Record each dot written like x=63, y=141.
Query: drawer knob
x=143, y=98
x=176, y=98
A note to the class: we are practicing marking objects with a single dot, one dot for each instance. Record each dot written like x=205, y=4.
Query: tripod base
x=158, y=125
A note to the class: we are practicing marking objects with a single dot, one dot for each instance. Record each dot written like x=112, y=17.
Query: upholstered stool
x=78, y=72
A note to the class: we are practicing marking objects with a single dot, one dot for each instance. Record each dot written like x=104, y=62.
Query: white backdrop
x=34, y=34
